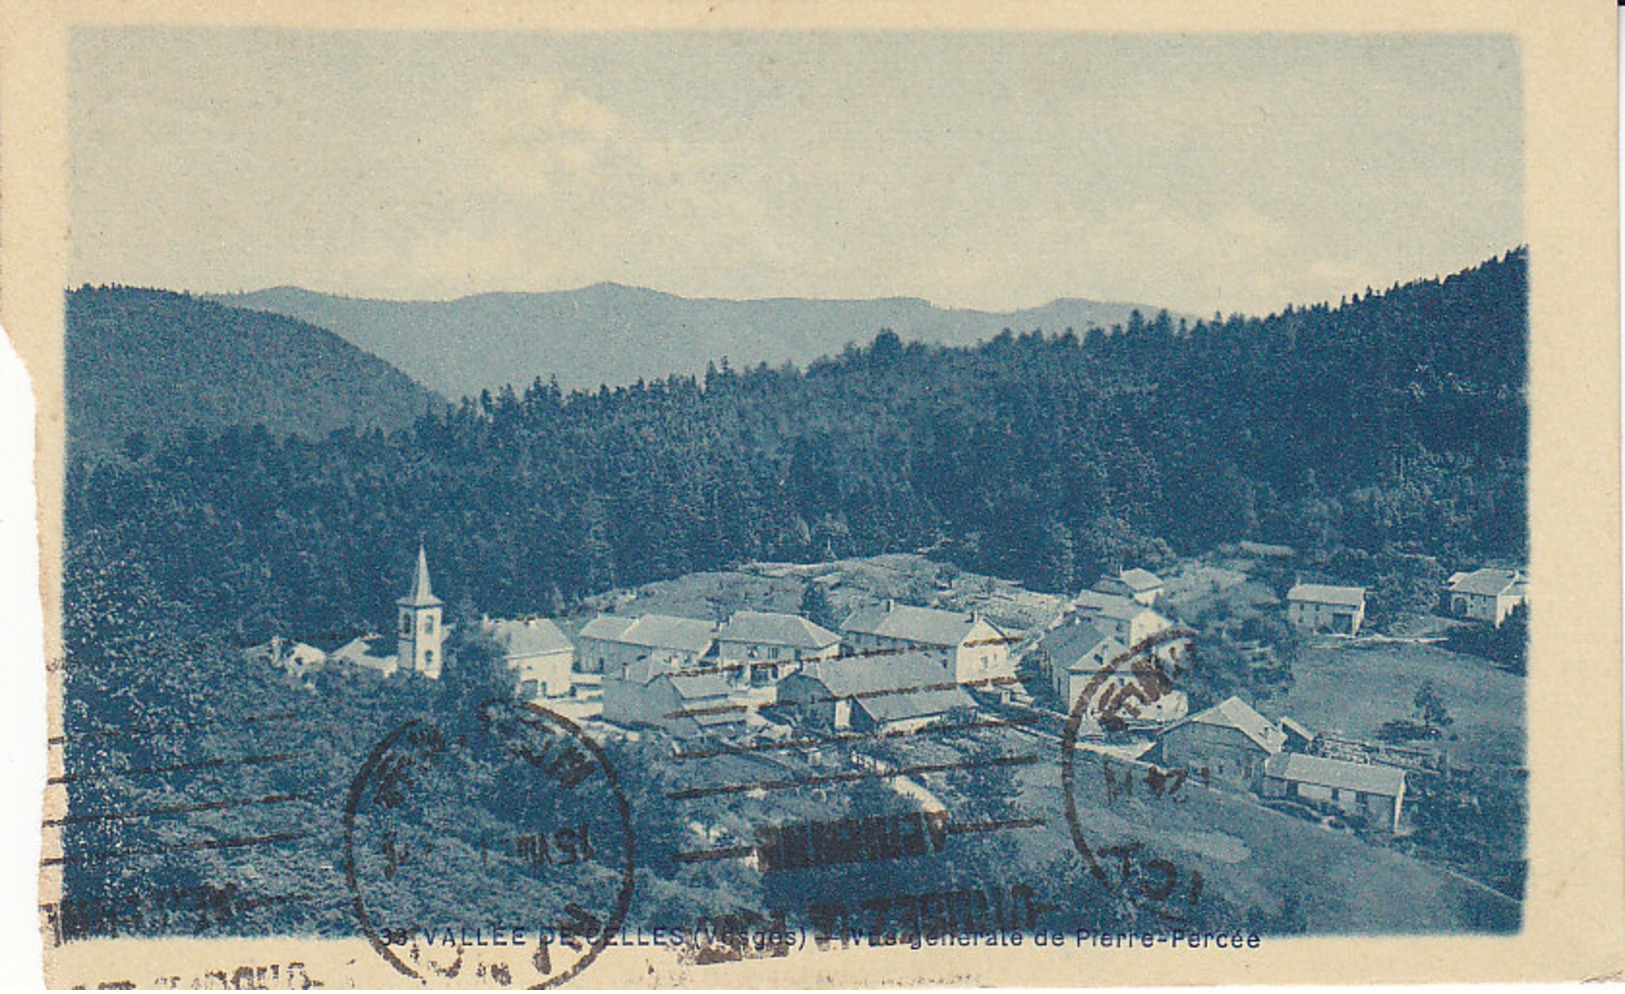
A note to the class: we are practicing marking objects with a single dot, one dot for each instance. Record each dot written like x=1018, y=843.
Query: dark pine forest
x=1391, y=423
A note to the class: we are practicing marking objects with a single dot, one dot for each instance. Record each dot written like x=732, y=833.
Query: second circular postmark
x=1135, y=683
x=491, y=848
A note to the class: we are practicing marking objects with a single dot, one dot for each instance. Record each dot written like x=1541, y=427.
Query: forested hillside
x=150, y=363
x=1394, y=422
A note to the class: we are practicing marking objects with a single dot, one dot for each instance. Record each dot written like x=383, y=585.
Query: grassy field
x=1277, y=868
x=1352, y=689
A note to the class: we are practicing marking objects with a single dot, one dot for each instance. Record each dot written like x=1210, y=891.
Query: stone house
x=1487, y=595
x=760, y=647
x=968, y=646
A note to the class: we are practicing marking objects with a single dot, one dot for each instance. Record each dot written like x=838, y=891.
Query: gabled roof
x=265, y=650
x=1297, y=728
x=1095, y=600
x=703, y=697
x=1081, y=645
x=421, y=595
x=1235, y=713
x=606, y=627
x=373, y=651
x=653, y=631
x=1487, y=582
x=771, y=628
x=920, y=625
x=1092, y=602
x=699, y=686
x=1321, y=593
x=1140, y=580
x=891, y=688
x=528, y=637
x=1368, y=778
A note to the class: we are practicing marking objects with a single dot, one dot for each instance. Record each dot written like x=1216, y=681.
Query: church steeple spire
x=421, y=632
x=422, y=594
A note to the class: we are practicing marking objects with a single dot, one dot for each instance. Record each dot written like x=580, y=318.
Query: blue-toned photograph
x=745, y=493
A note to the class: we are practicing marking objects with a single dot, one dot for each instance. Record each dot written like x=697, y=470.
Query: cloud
x=1219, y=256
x=535, y=133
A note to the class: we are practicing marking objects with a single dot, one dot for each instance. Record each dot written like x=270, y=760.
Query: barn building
x=687, y=707
x=1128, y=621
x=1371, y=792
x=1319, y=607
x=1229, y=740
x=1140, y=585
x=889, y=694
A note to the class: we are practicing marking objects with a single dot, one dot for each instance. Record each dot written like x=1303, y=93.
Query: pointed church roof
x=421, y=595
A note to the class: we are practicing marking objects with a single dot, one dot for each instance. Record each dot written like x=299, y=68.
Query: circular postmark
x=495, y=848
x=1123, y=691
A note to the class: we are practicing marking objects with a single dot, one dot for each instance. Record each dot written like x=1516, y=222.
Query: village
x=760, y=676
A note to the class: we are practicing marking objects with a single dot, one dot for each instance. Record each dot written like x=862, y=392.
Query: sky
x=994, y=171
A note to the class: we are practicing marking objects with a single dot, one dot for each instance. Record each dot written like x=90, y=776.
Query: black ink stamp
x=516, y=798
x=1113, y=695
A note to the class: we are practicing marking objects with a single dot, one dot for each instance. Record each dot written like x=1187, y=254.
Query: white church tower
x=420, y=630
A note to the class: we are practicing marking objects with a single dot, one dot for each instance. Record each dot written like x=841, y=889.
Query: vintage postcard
x=819, y=495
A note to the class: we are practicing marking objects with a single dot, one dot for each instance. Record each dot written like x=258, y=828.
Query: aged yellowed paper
x=818, y=495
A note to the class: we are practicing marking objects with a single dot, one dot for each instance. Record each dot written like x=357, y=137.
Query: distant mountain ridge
x=157, y=363
x=615, y=334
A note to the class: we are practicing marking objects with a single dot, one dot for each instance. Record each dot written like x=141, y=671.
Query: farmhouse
x=1128, y=621
x=538, y=652
x=760, y=647
x=1136, y=584
x=1079, y=658
x=1071, y=654
x=1369, y=791
x=895, y=693
x=1230, y=740
x=688, y=707
x=1486, y=594
x=1318, y=607
x=968, y=645
x=294, y=658
x=644, y=646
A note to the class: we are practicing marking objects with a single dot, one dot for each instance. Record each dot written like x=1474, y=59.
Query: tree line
x=1392, y=423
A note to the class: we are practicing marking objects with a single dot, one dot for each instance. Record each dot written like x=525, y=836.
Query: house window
x=428, y=658
x=406, y=624
x=428, y=624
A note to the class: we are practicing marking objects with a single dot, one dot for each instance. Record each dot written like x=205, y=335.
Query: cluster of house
x=1090, y=654
x=894, y=667
x=1232, y=743
x=1104, y=662
x=416, y=646
x=890, y=666
x=1488, y=595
